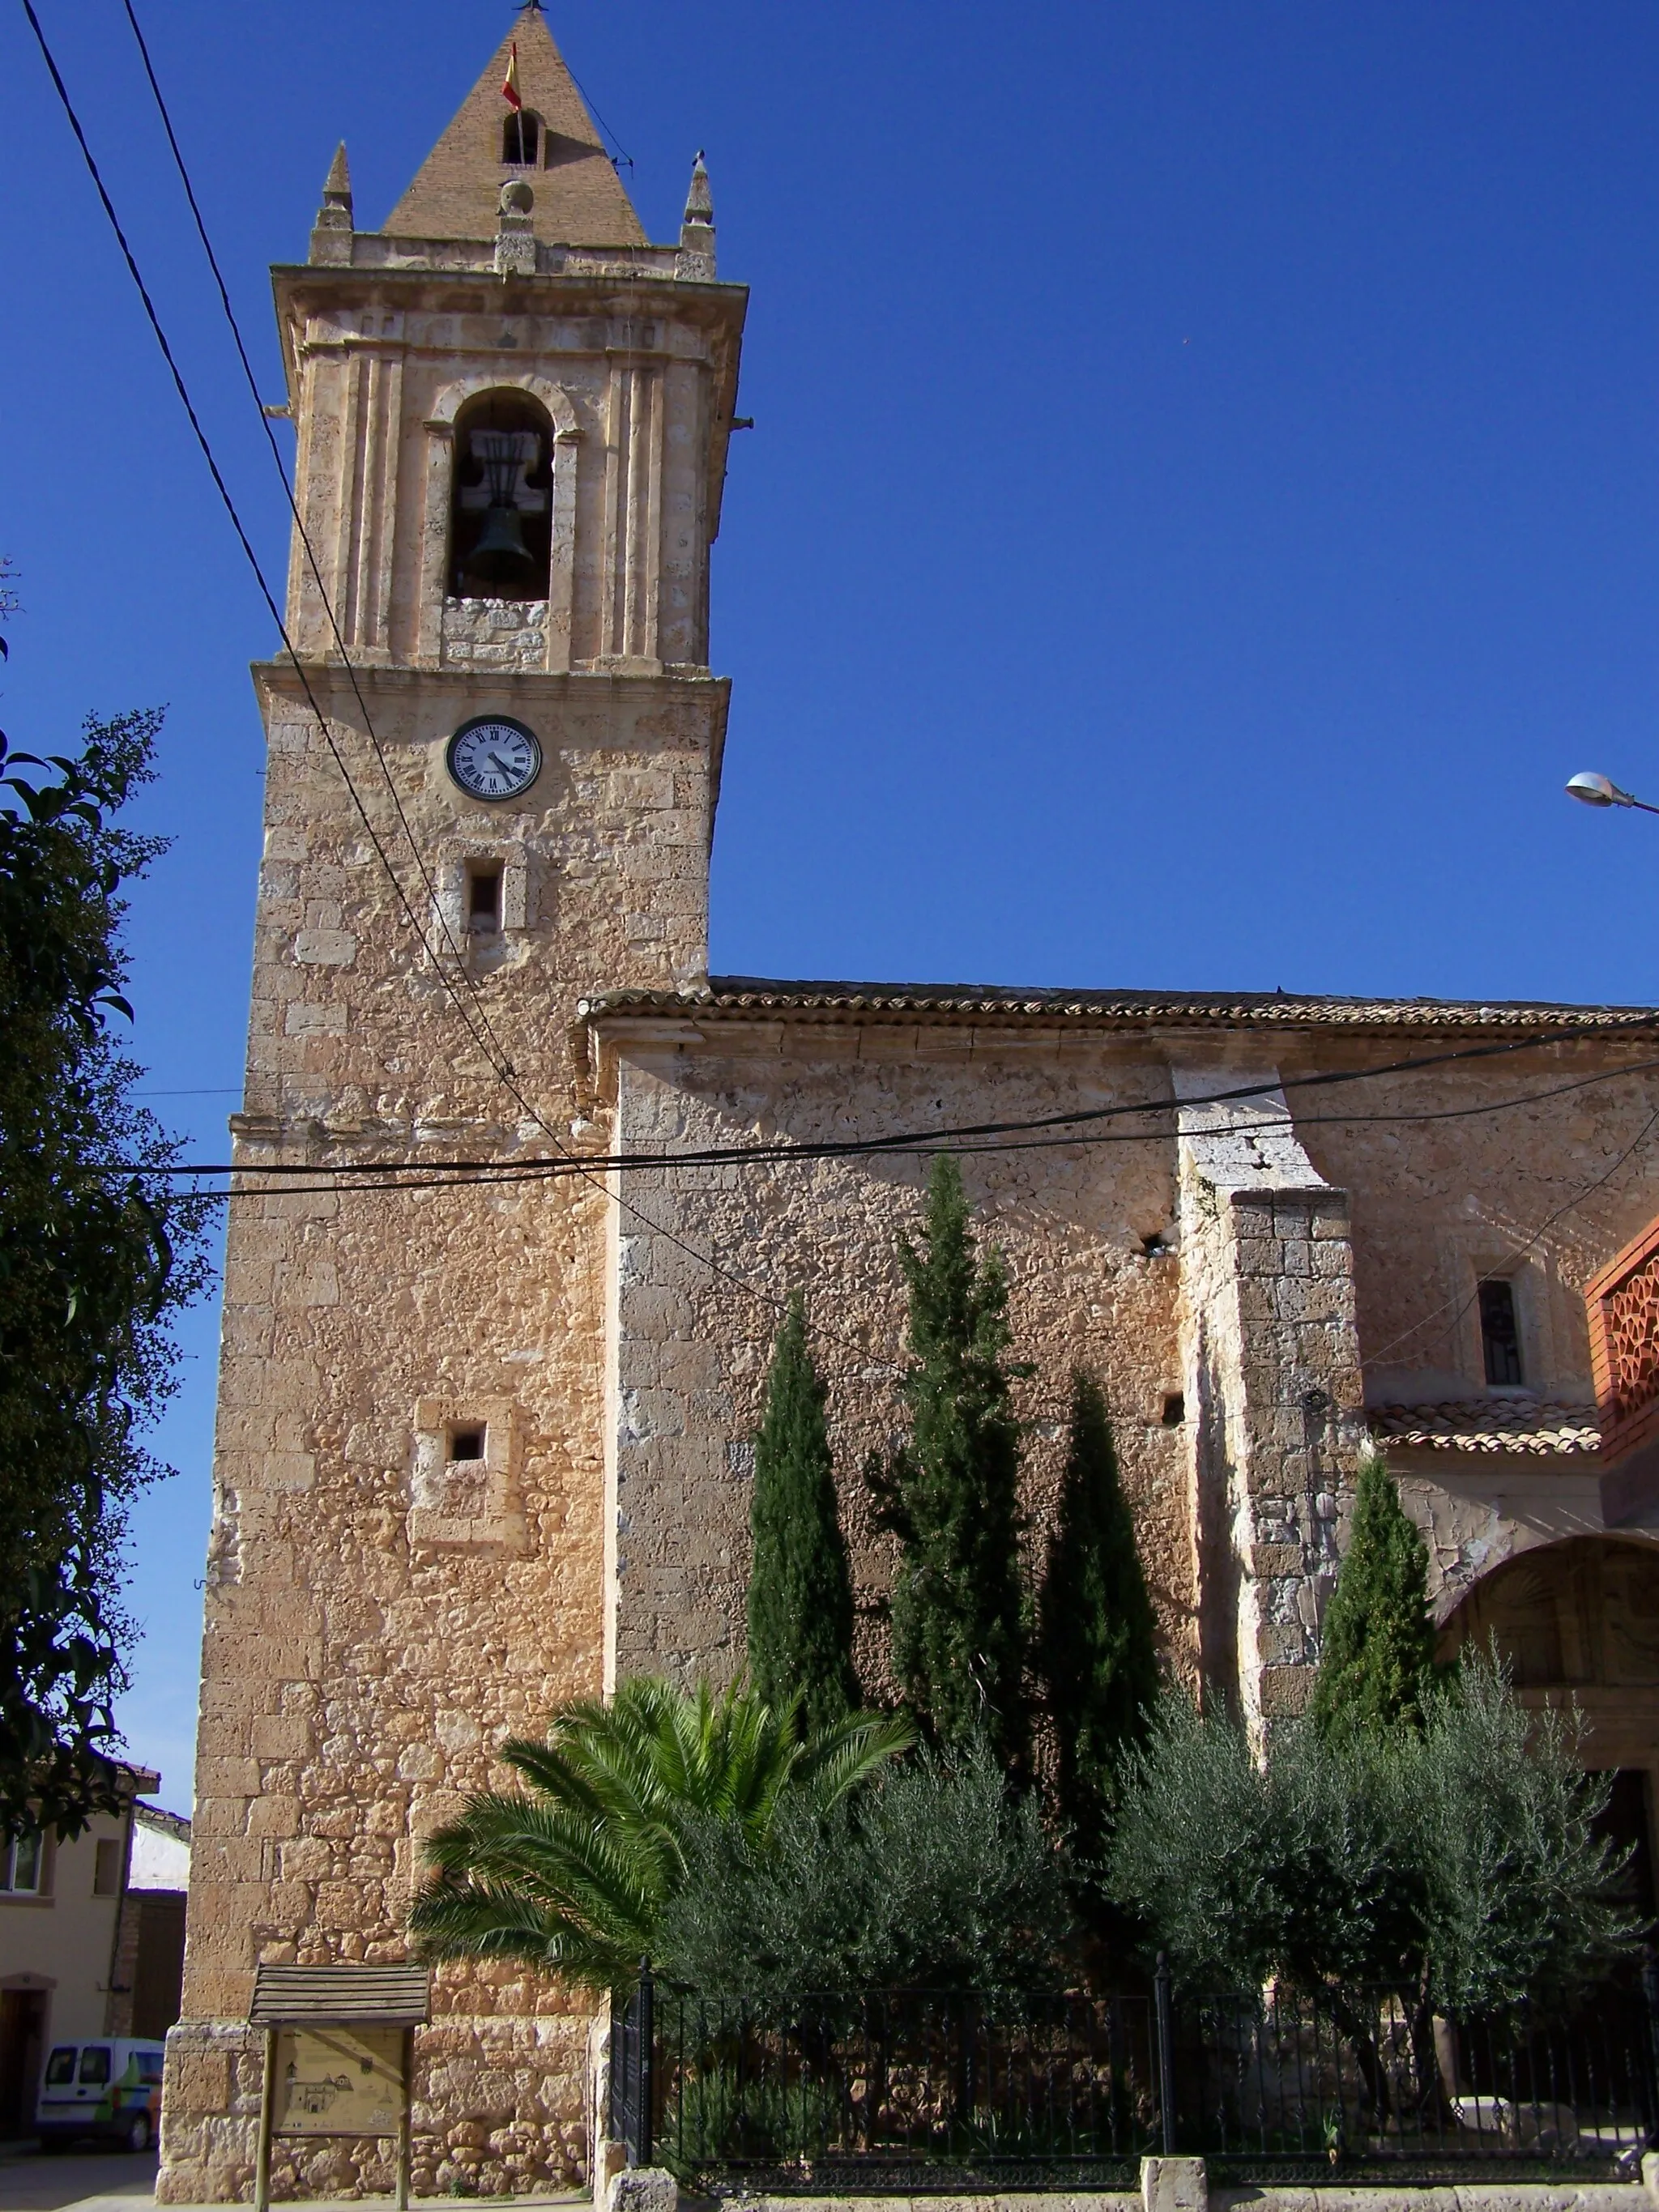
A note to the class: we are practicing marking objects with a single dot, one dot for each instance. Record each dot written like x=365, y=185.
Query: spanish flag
x=510, y=81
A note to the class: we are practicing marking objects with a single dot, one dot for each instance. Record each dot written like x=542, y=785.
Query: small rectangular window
x=466, y=1443
x=22, y=1865
x=483, y=895
x=107, y=1868
x=60, y=2066
x=1500, y=1333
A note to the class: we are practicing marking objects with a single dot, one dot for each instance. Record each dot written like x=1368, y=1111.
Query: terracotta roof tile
x=740, y=995
x=1490, y=1424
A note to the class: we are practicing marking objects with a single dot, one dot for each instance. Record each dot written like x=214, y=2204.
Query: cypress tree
x=1376, y=1668
x=951, y=1491
x=1096, y=1645
x=800, y=1590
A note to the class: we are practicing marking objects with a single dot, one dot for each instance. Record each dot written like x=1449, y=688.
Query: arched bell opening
x=501, y=519
x=1576, y=1624
x=521, y=134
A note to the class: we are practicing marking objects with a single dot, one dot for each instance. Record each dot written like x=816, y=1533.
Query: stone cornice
x=333, y=681
x=300, y=287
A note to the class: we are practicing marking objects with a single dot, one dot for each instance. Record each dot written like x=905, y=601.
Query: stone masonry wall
x=1253, y=1302
x=1088, y=1240
x=378, y=1620
x=494, y=634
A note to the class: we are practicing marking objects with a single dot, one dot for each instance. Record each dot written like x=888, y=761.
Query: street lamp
x=1602, y=791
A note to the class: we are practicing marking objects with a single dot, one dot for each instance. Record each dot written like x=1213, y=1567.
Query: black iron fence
x=913, y=2088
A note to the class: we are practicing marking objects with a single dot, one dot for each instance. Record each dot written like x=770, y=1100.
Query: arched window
x=501, y=520
x=521, y=137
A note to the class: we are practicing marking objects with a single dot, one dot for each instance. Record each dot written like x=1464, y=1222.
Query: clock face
x=494, y=758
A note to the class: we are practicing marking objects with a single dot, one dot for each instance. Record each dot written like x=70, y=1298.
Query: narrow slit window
x=1175, y=1409
x=107, y=1868
x=466, y=1443
x=483, y=895
x=1500, y=1333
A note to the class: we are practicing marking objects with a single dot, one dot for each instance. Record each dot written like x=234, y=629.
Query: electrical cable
x=220, y=484
x=428, y=882
x=500, y=1060
x=928, y=1140
x=501, y=1068
x=1548, y=1223
x=470, y=1175
x=621, y=159
x=455, y=1174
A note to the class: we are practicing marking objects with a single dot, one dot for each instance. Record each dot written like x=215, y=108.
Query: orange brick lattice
x=1622, y=1302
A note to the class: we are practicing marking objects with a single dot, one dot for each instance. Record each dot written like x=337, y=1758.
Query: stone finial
x=330, y=234
x=698, y=200
x=515, y=230
x=696, y=254
x=334, y=214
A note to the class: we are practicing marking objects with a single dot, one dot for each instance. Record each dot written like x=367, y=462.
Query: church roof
x=579, y=198
x=749, y=995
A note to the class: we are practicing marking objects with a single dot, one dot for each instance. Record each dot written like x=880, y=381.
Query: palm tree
x=573, y=1876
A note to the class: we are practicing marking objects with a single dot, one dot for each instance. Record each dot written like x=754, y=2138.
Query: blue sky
x=1203, y=498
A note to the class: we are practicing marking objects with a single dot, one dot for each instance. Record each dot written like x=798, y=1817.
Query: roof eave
x=691, y=1011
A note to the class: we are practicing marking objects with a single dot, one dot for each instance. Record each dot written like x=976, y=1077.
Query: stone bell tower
x=493, y=766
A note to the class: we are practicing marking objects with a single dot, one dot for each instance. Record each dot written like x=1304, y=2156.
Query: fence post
x=1165, y=2054
x=648, y=2061
x=1650, y=1991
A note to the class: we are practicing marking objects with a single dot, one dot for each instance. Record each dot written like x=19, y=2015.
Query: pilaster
x=1271, y=1355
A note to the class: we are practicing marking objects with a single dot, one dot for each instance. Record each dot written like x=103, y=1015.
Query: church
x=522, y=1188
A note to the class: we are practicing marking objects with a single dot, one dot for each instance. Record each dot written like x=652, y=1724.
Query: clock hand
x=495, y=761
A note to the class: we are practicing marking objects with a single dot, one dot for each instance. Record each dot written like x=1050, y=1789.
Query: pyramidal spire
x=523, y=119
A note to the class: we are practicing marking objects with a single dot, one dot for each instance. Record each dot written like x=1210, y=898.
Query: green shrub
x=1458, y=1866
x=1096, y=1649
x=1376, y=1668
x=715, y=2114
x=950, y=1492
x=939, y=1876
x=801, y=1588
x=575, y=1875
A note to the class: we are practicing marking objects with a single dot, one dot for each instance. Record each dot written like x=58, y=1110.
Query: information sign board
x=339, y=2080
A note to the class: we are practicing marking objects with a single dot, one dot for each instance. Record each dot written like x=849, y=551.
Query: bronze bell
x=501, y=547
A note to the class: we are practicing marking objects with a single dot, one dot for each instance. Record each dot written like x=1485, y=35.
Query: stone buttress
x=1273, y=1393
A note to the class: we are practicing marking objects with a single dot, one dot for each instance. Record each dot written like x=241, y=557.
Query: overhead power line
x=220, y=486
x=428, y=884
x=486, y=1041
x=1568, y=1205
x=983, y=1139
x=403, y=1176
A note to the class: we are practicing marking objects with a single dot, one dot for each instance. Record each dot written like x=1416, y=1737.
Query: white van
x=110, y=2089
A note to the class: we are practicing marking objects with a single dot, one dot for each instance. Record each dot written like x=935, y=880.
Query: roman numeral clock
x=494, y=758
